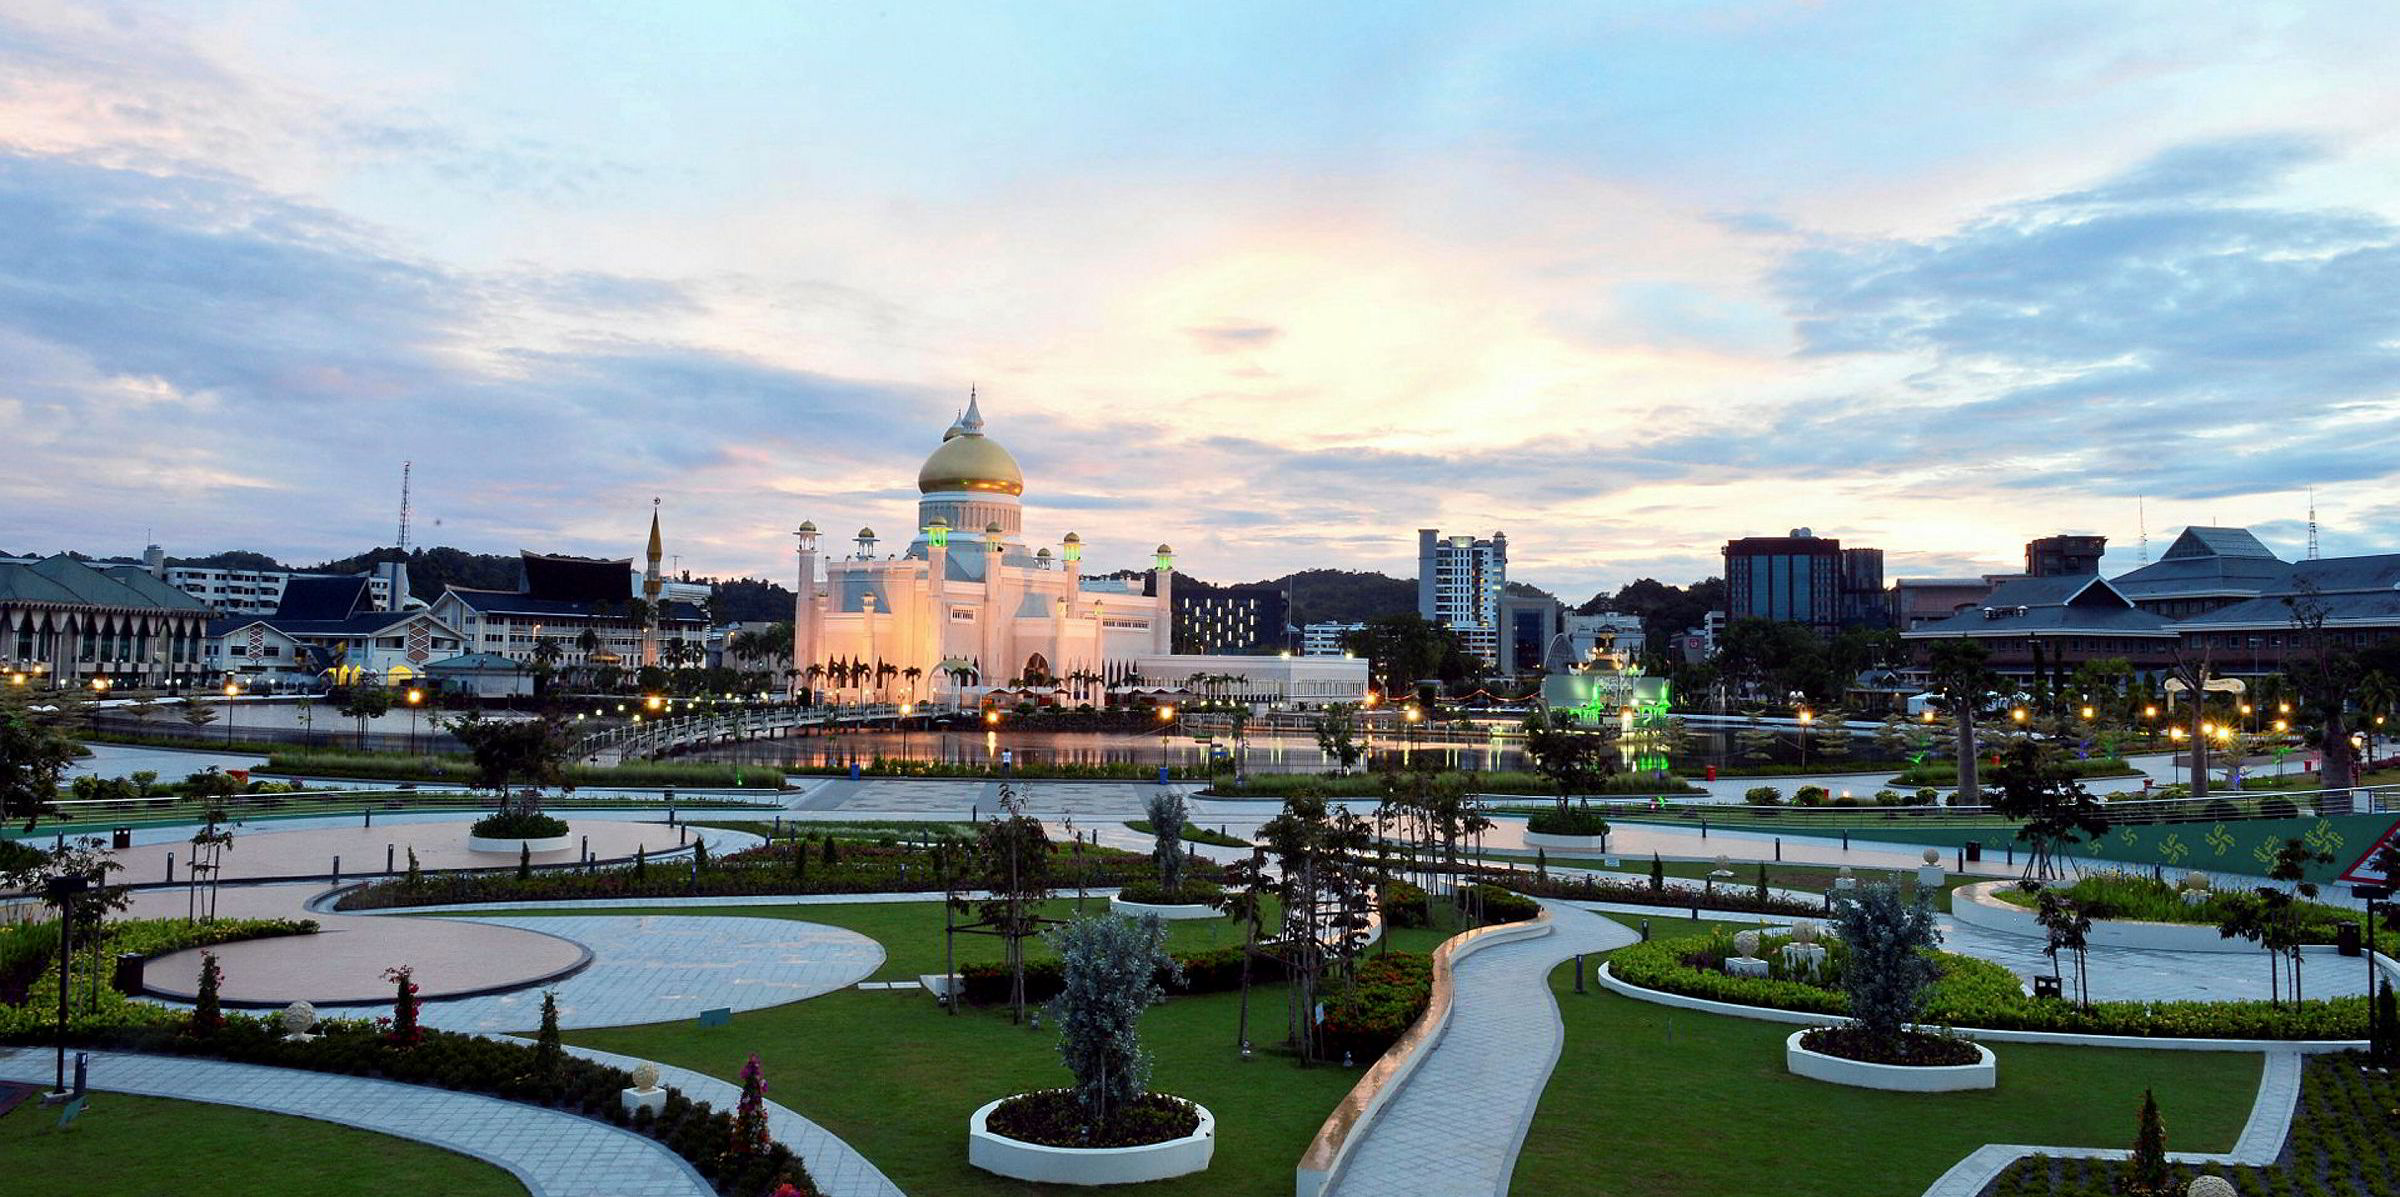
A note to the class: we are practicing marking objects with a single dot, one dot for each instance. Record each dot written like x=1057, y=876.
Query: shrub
x=1925, y=796
x=1887, y=798
x=1572, y=821
x=1763, y=796
x=518, y=825
x=1109, y=975
x=1809, y=796
x=1384, y=995
x=1193, y=893
x=1404, y=905
x=1503, y=906
x=1889, y=967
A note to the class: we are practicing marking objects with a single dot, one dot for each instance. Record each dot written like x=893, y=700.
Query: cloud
x=1227, y=338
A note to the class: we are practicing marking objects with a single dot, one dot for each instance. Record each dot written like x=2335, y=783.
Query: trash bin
x=120, y=838
x=1974, y=850
x=2345, y=940
x=127, y=979
x=2045, y=987
x=1162, y=775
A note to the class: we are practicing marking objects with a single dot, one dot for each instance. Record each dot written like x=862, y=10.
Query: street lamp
x=1806, y=717
x=1166, y=719
x=232, y=688
x=416, y=698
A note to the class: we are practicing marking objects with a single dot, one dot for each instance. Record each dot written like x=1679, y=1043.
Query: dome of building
x=866, y=533
x=970, y=461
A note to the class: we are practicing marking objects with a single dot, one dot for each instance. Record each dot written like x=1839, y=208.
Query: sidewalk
x=554, y=1153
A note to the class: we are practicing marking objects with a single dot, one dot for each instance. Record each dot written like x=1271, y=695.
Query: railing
x=82, y=816
x=2221, y=807
x=661, y=737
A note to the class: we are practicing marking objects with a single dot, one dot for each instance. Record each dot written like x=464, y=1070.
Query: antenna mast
x=2141, y=516
x=2312, y=523
x=405, y=468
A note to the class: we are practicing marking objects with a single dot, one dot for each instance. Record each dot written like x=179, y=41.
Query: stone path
x=838, y=1170
x=2152, y=975
x=661, y=968
x=552, y=1152
x=2261, y=1139
x=1456, y=1125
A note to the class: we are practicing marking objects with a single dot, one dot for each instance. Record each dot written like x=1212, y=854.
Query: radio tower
x=402, y=541
x=2141, y=516
x=2312, y=523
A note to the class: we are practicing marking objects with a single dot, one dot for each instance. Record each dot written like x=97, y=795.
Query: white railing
x=660, y=737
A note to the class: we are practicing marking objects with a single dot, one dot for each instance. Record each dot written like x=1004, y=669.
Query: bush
x=1809, y=796
x=1504, y=906
x=518, y=825
x=36, y=1019
x=1763, y=796
x=1978, y=994
x=1193, y=892
x=2116, y=894
x=1888, y=798
x=985, y=982
x=1572, y=821
x=1405, y=905
x=1385, y=994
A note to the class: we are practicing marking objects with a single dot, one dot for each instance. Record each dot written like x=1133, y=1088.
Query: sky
x=1275, y=283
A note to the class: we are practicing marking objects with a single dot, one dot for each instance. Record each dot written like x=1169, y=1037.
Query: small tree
x=1887, y=937
x=512, y=751
x=404, y=1030
x=1571, y=760
x=1658, y=873
x=525, y=861
x=37, y=743
x=2146, y=1171
x=750, y=1137
x=1337, y=735
x=208, y=1013
x=1762, y=883
x=1110, y=969
x=2068, y=929
x=195, y=713
x=1167, y=814
x=2035, y=785
x=549, y=1056
x=364, y=703
x=2292, y=859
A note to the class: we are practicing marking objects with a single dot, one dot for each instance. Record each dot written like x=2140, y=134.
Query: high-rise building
x=1460, y=580
x=1231, y=619
x=1325, y=639
x=1805, y=578
x=2064, y=556
x=1528, y=623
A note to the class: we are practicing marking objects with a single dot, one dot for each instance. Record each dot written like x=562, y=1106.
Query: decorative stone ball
x=1933, y=856
x=1804, y=932
x=1746, y=942
x=1845, y=873
x=645, y=1076
x=2212, y=1186
x=298, y=1018
x=1724, y=862
x=2197, y=882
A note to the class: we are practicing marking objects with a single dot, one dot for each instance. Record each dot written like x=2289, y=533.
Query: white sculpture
x=1845, y=879
x=645, y=1094
x=645, y=1076
x=1746, y=943
x=1804, y=932
x=2197, y=880
x=1933, y=856
x=2212, y=1186
x=297, y=1018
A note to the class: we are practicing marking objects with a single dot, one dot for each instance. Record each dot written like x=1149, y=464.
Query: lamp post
x=1166, y=721
x=415, y=698
x=1806, y=717
x=62, y=892
x=232, y=688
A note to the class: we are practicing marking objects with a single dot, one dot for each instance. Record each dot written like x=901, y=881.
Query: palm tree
x=912, y=673
x=2377, y=696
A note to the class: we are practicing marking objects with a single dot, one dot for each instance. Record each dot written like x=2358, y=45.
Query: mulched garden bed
x=1052, y=1119
x=1912, y=1048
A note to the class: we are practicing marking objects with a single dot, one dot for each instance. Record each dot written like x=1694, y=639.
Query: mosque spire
x=973, y=420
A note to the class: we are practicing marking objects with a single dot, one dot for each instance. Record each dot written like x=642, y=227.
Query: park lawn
x=1815, y=879
x=125, y=1146
x=1651, y=1101
x=896, y=1078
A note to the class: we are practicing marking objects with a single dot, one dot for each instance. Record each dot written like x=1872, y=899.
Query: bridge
x=655, y=738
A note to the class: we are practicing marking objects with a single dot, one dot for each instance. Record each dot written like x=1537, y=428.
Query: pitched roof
x=323, y=598
x=510, y=602
x=141, y=581
x=2198, y=541
x=2081, y=603
x=2207, y=561
x=476, y=663
x=67, y=581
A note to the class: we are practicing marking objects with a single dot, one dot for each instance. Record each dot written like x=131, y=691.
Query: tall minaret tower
x=650, y=590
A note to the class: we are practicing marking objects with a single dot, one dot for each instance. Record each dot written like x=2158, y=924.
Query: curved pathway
x=551, y=1151
x=1456, y=1124
x=838, y=1169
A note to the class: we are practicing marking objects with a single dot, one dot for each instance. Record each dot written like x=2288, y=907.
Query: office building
x=66, y=622
x=1325, y=639
x=2064, y=556
x=1232, y=620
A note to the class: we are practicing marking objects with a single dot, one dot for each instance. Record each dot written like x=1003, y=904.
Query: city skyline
x=1279, y=287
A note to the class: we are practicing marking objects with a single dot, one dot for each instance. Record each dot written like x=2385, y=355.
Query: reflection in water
x=1265, y=753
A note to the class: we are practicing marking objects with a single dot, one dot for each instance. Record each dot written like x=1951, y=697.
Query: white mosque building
x=968, y=610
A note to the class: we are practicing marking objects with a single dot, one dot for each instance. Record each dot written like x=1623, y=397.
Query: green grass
x=124, y=1146
x=1193, y=833
x=1631, y=1112
x=2134, y=896
x=896, y=1078
x=1815, y=879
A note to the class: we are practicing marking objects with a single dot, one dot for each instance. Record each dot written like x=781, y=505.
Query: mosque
x=968, y=611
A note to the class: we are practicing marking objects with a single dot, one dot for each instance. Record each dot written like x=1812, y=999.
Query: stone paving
x=554, y=1153
x=1456, y=1124
x=2150, y=975
x=660, y=968
x=839, y=1170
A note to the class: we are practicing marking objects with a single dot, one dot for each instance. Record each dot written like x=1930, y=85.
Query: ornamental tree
x=208, y=1012
x=1167, y=815
x=1888, y=970
x=1110, y=969
x=750, y=1137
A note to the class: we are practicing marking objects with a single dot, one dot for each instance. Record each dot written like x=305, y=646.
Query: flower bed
x=1405, y=905
x=29, y=986
x=1929, y=1063
x=694, y=1130
x=1979, y=994
x=1386, y=993
x=1913, y=1049
x=1193, y=892
x=1051, y=1118
x=519, y=825
x=1732, y=896
x=2133, y=897
x=986, y=983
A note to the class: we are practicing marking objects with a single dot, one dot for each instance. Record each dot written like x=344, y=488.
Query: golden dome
x=969, y=460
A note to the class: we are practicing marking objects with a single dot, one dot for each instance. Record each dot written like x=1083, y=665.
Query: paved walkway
x=1456, y=1125
x=838, y=1170
x=552, y=1152
x=662, y=968
x=2152, y=975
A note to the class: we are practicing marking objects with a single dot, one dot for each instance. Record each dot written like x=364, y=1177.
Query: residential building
x=1699, y=643
x=1602, y=633
x=1232, y=620
x=561, y=598
x=67, y=622
x=1301, y=682
x=1460, y=582
x=260, y=591
x=1325, y=639
x=1789, y=579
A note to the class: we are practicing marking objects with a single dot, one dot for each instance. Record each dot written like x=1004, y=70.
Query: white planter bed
x=513, y=847
x=1975, y=905
x=1089, y=1165
x=1117, y=905
x=1566, y=843
x=1984, y=1073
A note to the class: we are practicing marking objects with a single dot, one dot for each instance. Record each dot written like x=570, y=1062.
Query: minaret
x=650, y=591
x=1162, y=626
x=804, y=605
x=997, y=620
